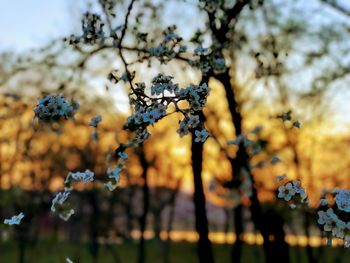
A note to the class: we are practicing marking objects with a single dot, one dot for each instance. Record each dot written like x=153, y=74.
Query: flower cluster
x=162, y=83
x=195, y=95
x=287, y=117
x=281, y=177
x=15, y=220
x=53, y=107
x=342, y=200
x=145, y=116
x=205, y=61
x=201, y=135
x=57, y=204
x=241, y=138
x=92, y=31
x=149, y=110
x=292, y=191
x=211, y=5
x=59, y=199
x=190, y=122
x=333, y=225
x=114, y=175
x=85, y=177
x=335, y=219
x=95, y=121
x=169, y=47
x=246, y=186
x=123, y=155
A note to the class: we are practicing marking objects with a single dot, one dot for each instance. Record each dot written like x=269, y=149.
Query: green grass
x=56, y=252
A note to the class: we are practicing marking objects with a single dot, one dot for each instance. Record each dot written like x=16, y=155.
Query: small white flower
x=323, y=202
x=95, y=121
x=280, y=178
x=184, y=129
x=66, y=214
x=60, y=198
x=342, y=200
x=111, y=187
x=323, y=217
x=237, y=141
x=201, y=136
x=85, y=177
x=141, y=136
x=193, y=121
x=114, y=174
x=123, y=155
x=200, y=51
x=53, y=107
x=149, y=117
x=69, y=260
x=275, y=160
x=15, y=220
x=286, y=192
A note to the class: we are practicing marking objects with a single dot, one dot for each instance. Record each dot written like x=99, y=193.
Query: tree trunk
x=242, y=161
x=157, y=223
x=143, y=219
x=205, y=253
x=94, y=225
x=237, y=247
x=166, y=249
x=275, y=246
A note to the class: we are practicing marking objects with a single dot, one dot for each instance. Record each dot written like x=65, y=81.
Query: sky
x=26, y=24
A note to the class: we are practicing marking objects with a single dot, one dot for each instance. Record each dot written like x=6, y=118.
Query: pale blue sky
x=28, y=24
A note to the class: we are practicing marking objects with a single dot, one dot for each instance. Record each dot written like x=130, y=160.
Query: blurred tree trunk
x=109, y=225
x=166, y=248
x=143, y=219
x=94, y=224
x=242, y=162
x=238, y=223
x=220, y=35
x=157, y=223
x=22, y=240
x=227, y=223
x=275, y=246
x=205, y=252
x=292, y=143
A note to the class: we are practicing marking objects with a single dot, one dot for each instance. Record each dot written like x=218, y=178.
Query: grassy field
x=53, y=252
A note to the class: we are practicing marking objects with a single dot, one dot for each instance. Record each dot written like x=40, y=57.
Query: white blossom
x=85, y=177
x=323, y=202
x=342, y=200
x=123, y=155
x=95, y=121
x=65, y=215
x=53, y=107
x=275, y=160
x=114, y=174
x=59, y=199
x=286, y=192
x=15, y=220
x=281, y=177
x=201, y=136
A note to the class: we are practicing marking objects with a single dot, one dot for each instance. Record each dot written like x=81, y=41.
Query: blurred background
x=282, y=56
